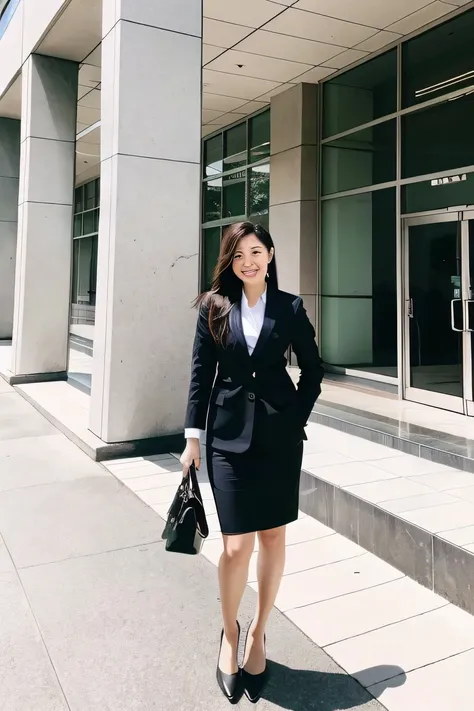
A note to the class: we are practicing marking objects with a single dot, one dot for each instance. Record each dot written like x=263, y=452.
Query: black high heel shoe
x=254, y=683
x=229, y=684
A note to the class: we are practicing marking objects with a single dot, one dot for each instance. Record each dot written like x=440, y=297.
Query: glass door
x=468, y=239
x=438, y=355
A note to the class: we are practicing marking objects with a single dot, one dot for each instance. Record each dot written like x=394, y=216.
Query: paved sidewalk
x=409, y=647
x=95, y=616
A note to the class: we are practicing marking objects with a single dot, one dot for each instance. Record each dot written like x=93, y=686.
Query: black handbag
x=186, y=527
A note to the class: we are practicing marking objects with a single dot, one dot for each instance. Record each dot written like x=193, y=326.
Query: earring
x=267, y=276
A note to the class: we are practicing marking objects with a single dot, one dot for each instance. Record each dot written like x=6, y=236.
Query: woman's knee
x=238, y=549
x=273, y=538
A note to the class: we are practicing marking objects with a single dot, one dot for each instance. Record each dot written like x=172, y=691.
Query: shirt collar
x=262, y=299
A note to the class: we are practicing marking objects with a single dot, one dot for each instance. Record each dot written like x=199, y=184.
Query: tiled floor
x=437, y=498
x=409, y=647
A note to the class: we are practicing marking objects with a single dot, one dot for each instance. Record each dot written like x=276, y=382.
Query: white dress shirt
x=252, y=322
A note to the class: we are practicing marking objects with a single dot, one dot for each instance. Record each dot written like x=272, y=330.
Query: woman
x=255, y=421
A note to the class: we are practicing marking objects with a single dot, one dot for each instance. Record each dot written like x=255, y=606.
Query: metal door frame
x=464, y=404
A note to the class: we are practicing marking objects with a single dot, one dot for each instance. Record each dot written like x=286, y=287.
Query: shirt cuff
x=192, y=433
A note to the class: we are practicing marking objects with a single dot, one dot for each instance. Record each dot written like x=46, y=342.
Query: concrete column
x=149, y=222
x=9, y=174
x=294, y=190
x=43, y=268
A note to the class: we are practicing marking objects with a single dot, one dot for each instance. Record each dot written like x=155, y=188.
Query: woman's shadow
x=301, y=690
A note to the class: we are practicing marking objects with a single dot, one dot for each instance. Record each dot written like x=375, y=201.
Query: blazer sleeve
x=309, y=362
x=203, y=372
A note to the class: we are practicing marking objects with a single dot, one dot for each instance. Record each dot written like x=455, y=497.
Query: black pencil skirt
x=256, y=490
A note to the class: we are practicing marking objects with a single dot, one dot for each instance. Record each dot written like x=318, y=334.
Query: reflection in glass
x=235, y=142
x=79, y=199
x=424, y=196
x=211, y=244
x=360, y=95
x=234, y=195
x=259, y=178
x=84, y=274
x=439, y=61
x=213, y=156
x=78, y=226
x=91, y=195
x=259, y=137
x=434, y=281
x=212, y=195
x=360, y=159
x=359, y=292
x=90, y=222
x=438, y=138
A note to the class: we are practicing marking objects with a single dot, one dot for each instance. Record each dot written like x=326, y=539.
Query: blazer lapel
x=235, y=324
x=268, y=322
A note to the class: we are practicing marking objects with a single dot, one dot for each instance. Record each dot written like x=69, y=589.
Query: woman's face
x=251, y=260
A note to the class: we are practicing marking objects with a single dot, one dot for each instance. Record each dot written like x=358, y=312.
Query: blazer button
x=251, y=397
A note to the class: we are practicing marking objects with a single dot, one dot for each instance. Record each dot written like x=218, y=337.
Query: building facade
x=132, y=135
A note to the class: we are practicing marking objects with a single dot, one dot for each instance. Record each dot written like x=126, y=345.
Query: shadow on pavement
x=301, y=690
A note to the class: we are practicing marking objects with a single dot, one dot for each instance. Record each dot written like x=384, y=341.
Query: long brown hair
x=226, y=287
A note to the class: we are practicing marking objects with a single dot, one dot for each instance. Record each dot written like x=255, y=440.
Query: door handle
x=469, y=309
x=453, y=315
x=409, y=305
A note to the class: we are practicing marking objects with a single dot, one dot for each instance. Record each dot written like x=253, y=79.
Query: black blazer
x=253, y=396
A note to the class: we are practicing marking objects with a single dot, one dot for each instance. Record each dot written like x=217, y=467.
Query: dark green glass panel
x=90, y=222
x=361, y=159
x=78, y=225
x=234, y=195
x=259, y=186
x=90, y=195
x=79, y=199
x=434, y=195
x=213, y=156
x=359, y=282
x=438, y=138
x=235, y=147
x=360, y=95
x=211, y=244
x=212, y=197
x=259, y=137
x=439, y=61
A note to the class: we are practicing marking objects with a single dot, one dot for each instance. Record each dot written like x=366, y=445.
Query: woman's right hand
x=192, y=453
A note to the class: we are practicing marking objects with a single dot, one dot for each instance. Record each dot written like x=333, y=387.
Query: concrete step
x=415, y=511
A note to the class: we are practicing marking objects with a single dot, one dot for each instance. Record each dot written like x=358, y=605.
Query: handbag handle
x=193, y=481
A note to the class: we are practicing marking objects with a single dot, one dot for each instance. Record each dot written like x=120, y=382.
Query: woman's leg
x=270, y=566
x=233, y=575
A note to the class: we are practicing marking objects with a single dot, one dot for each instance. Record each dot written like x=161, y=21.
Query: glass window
x=363, y=158
x=235, y=142
x=91, y=222
x=431, y=195
x=234, y=195
x=439, y=61
x=211, y=242
x=79, y=199
x=85, y=270
x=359, y=286
x=360, y=95
x=77, y=226
x=259, y=187
x=259, y=137
x=438, y=138
x=212, y=197
x=213, y=156
x=91, y=195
